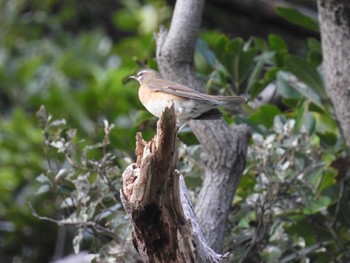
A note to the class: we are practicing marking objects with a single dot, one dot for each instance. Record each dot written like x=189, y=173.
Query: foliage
x=285, y=203
x=292, y=202
x=287, y=206
x=296, y=17
x=86, y=181
x=20, y=161
x=79, y=76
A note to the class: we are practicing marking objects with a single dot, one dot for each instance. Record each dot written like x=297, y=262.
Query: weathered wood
x=154, y=195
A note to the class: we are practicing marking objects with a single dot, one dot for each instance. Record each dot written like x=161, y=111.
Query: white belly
x=186, y=110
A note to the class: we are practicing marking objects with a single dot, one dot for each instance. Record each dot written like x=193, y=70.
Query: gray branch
x=178, y=46
x=334, y=17
x=224, y=147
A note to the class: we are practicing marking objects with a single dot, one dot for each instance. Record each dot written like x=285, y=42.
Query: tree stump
x=154, y=195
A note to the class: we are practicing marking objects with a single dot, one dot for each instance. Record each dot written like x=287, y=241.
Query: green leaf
x=306, y=72
x=203, y=49
x=43, y=179
x=328, y=179
x=245, y=65
x=277, y=43
x=319, y=204
x=307, y=92
x=325, y=123
x=304, y=119
x=309, y=123
x=271, y=74
x=260, y=44
x=315, y=54
x=246, y=186
x=314, y=45
x=300, y=227
x=315, y=58
x=193, y=181
x=237, y=60
x=295, y=17
x=43, y=189
x=244, y=222
x=220, y=48
x=328, y=140
x=260, y=62
x=265, y=115
x=234, y=49
x=285, y=89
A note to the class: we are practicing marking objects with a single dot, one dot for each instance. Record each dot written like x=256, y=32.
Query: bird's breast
x=185, y=109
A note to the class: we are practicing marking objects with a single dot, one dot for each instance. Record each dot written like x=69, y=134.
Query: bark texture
x=154, y=196
x=224, y=147
x=334, y=17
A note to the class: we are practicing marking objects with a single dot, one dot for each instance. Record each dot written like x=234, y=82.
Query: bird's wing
x=188, y=93
x=182, y=91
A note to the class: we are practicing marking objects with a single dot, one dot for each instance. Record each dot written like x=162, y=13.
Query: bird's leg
x=181, y=124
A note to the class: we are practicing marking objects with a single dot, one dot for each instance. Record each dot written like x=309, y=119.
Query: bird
x=155, y=93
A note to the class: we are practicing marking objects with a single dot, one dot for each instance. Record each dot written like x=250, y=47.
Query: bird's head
x=145, y=74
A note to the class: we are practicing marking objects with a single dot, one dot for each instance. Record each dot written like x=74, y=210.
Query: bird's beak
x=132, y=77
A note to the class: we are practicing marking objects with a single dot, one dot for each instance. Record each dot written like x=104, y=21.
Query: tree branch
x=334, y=17
x=224, y=147
x=179, y=44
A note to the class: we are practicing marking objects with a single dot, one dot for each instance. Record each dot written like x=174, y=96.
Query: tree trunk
x=334, y=17
x=154, y=196
x=224, y=147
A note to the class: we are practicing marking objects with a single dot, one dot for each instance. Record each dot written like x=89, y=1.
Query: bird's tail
x=230, y=101
x=213, y=114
